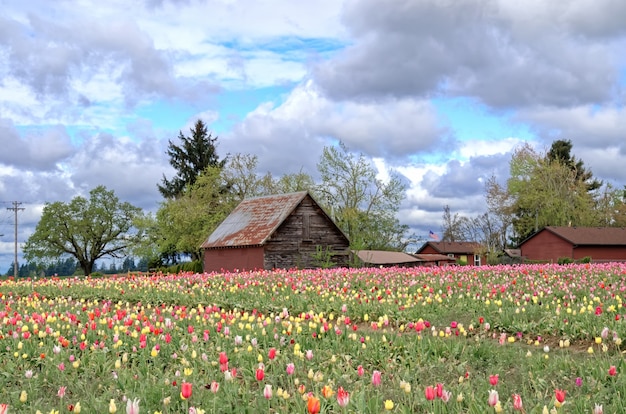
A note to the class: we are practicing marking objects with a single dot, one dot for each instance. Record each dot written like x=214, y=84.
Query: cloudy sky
x=439, y=91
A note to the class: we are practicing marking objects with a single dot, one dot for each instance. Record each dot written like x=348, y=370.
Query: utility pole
x=15, y=208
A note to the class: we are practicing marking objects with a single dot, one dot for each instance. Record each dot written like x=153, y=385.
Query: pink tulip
x=132, y=407
x=517, y=402
x=290, y=368
x=267, y=391
x=376, y=378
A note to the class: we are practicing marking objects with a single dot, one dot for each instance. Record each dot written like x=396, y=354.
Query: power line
x=15, y=208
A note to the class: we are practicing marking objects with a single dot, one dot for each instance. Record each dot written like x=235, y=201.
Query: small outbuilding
x=600, y=244
x=463, y=252
x=278, y=231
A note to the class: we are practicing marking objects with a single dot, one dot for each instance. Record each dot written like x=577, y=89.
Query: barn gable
x=278, y=231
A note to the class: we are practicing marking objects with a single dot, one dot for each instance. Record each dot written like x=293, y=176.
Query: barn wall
x=229, y=260
x=295, y=242
x=601, y=253
x=546, y=246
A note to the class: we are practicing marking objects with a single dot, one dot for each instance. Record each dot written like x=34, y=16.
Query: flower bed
x=460, y=339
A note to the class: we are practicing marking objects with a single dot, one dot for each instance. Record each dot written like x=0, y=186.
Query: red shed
x=468, y=252
x=601, y=244
x=278, y=231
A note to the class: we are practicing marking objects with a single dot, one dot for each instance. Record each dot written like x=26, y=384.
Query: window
x=476, y=260
x=451, y=255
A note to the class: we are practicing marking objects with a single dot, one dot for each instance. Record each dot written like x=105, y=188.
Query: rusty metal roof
x=254, y=220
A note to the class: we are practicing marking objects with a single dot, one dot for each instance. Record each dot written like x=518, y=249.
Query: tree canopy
x=86, y=229
x=363, y=206
x=190, y=159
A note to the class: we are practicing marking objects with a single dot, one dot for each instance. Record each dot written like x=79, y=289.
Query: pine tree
x=190, y=159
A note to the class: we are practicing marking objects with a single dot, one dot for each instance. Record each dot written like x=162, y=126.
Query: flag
x=433, y=235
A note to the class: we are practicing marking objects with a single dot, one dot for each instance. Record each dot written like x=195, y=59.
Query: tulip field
x=528, y=339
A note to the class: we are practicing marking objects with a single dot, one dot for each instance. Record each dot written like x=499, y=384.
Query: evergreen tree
x=560, y=151
x=190, y=159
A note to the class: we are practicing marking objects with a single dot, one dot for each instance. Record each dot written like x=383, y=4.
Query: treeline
x=69, y=266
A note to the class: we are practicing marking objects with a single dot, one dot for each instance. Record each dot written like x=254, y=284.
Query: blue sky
x=440, y=92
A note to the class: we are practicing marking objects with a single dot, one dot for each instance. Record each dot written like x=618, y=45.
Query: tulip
x=112, y=406
x=559, y=395
x=439, y=390
x=343, y=397
x=388, y=405
x=260, y=374
x=185, y=390
x=376, y=378
x=290, y=368
x=272, y=353
x=612, y=371
x=429, y=392
x=327, y=391
x=360, y=371
x=77, y=408
x=215, y=386
x=493, y=380
x=517, y=402
x=493, y=398
x=267, y=391
x=312, y=405
x=598, y=409
x=4, y=408
x=61, y=392
x=132, y=406
x=23, y=396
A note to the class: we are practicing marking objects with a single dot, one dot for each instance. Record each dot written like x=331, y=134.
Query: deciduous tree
x=87, y=229
x=363, y=206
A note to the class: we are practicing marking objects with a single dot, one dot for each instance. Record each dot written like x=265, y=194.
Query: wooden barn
x=601, y=244
x=466, y=252
x=279, y=231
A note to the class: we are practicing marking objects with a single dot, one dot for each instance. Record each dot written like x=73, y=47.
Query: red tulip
x=493, y=380
x=612, y=371
x=559, y=395
x=272, y=353
x=429, y=392
x=260, y=374
x=185, y=390
x=517, y=402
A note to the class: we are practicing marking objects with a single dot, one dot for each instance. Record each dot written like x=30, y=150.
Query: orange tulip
x=313, y=405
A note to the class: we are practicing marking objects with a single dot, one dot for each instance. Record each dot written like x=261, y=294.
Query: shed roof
x=381, y=257
x=452, y=247
x=590, y=236
x=254, y=220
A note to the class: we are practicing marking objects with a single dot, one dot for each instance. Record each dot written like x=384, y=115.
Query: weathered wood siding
x=295, y=242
